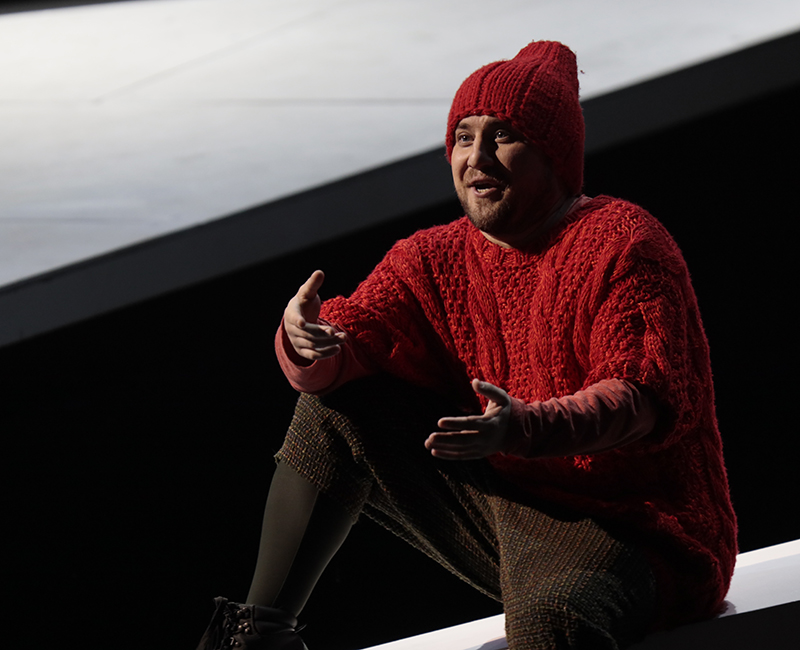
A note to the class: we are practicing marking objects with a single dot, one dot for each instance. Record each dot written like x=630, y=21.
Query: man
x=523, y=394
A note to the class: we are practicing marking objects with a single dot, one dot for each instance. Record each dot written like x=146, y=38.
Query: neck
x=521, y=240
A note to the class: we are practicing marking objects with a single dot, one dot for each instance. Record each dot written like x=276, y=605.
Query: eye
x=462, y=137
x=502, y=135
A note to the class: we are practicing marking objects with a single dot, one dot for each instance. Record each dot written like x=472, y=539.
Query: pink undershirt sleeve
x=606, y=415
x=321, y=376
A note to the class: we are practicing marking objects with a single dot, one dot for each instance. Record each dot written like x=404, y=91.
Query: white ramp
x=762, y=612
x=483, y=634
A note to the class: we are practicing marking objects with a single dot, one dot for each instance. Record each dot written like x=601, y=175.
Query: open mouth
x=485, y=185
x=485, y=188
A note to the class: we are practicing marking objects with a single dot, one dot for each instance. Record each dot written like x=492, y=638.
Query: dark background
x=14, y=6
x=137, y=445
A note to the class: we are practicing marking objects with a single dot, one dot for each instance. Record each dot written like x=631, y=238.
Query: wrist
x=518, y=437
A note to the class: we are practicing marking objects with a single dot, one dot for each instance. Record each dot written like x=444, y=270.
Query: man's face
x=505, y=184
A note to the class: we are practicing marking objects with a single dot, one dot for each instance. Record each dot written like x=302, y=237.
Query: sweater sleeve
x=606, y=415
x=397, y=320
x=643, y=326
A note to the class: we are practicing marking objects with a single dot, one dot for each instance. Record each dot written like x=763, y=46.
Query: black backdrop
x=137, y=445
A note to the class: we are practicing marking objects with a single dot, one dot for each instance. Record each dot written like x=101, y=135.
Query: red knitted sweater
x=605, y=295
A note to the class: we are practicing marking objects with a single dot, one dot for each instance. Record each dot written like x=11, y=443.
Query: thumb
x=306, y=303
x=311, y=287
x=497, y=395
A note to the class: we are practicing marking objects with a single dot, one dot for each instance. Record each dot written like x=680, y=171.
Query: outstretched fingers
x=313, y=341
x=460, y=445
x=471, y=437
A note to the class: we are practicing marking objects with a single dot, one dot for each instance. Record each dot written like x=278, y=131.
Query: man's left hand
x=474, y=436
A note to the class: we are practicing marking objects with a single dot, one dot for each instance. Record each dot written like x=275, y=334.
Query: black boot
x=250, y=627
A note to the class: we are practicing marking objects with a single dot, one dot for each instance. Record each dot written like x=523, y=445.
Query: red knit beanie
x=537, y=93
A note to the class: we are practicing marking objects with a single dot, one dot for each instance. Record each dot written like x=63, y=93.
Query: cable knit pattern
x=606, y=295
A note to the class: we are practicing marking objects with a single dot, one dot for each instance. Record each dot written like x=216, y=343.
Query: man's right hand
x=310, y=340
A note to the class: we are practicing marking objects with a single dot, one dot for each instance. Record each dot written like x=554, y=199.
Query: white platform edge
x=489, y=633
x=483, y=634
x=769, y=553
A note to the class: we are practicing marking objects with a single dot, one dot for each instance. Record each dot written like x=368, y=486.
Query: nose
x=480, y=156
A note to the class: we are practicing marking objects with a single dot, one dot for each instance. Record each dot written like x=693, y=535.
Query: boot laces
x=236, y=620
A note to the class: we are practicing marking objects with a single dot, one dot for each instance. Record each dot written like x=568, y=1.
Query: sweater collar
x=553, y=227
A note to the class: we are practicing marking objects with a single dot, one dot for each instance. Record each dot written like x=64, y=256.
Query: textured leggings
x=564, y=581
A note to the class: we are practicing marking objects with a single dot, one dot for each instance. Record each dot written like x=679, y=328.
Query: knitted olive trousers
x=564, y=581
